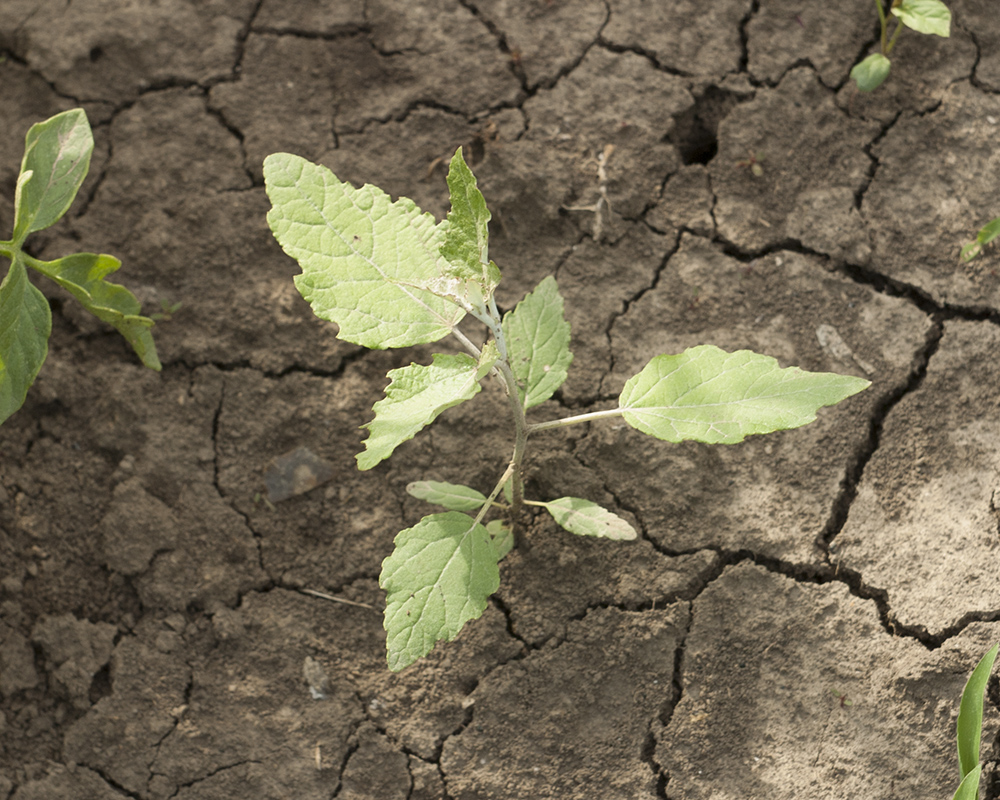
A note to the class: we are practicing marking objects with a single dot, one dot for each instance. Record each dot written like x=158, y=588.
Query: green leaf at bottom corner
x=25, y=325
x=968, y=789
x=871, y=72
x=586, y=518
x=439, y=576
x=970, y=713
x=82, y=275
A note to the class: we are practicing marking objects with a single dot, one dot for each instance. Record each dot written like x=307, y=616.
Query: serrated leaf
x=57, y=154
x=82, y=275
x=502, y=536
x=366, y=261
x=925, y=16
x=712, y=396
x=538, y=336
x=415, y=397
x=970, y=714
x=466, y=241
x=25, y=325
x=452, y=496
x=871, y=72
x=586, y=518
x=968, y=789
x=438, y=577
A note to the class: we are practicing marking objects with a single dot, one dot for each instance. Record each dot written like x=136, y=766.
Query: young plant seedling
x=970, y=725
x=986, y=234
x=56, y=159
x=924, y=16
x=392, y=276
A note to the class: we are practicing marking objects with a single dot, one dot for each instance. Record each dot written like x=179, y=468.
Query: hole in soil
x=96, y=54
x=100, y=686
x=695, y=132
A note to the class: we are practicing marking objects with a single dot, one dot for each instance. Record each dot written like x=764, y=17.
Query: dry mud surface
x=156, y=634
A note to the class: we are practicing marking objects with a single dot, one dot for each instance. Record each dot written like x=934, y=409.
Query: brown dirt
x=154, y=620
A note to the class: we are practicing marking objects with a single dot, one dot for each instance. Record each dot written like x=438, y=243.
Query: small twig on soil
x=330, y=597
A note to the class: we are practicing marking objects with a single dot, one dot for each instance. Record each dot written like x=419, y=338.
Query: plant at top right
x=969, y=727
x=392, y=276
x=923, y=16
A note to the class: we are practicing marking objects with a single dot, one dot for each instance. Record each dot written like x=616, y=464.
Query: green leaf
x=82, y=275
x=466, y=243
x=452, y=496
x=925, y=16
x=712, y=396
x=871, y=72
x=970, y=714
x=585, y=518
x=502, y=536
x=57, y=156
x=989, y=231
x=25, y=325
x=438, y=577
x=366, y=261
x=968, y=789
x=537, y=336
x=986, y=234
x=415, y=397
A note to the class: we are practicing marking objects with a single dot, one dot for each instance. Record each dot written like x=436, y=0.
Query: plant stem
x=576, y=420
x=882, y=22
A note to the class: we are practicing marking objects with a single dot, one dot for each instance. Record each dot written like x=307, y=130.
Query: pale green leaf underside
x=586, y=518
x=82, y=275
x=57, y=154
x=415, y=397
x=712, y=396
x=538, y=335
x=366, y=261
x=871, y=72
x=970, y=714
x=25, y=325
x=438, y=577
x=452, y=496
x=925, y=16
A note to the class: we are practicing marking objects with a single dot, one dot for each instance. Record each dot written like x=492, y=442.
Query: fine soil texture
x=800, y=612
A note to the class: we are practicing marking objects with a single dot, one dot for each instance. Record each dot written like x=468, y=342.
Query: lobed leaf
x=970, y=713
x=925, y=16
x=586, y=518
x=415, y=397
x=82, y=275
x=452, y=496
x=25, y=325
x=871, y=72
x=712, y=396
x=56, y=159
x=537, y=336
x=366, y=261
x=438, y=577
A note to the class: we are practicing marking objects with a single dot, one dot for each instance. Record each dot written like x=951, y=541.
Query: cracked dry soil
x=154, y=622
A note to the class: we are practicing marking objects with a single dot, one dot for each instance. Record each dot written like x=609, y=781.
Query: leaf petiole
x=574, y=420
